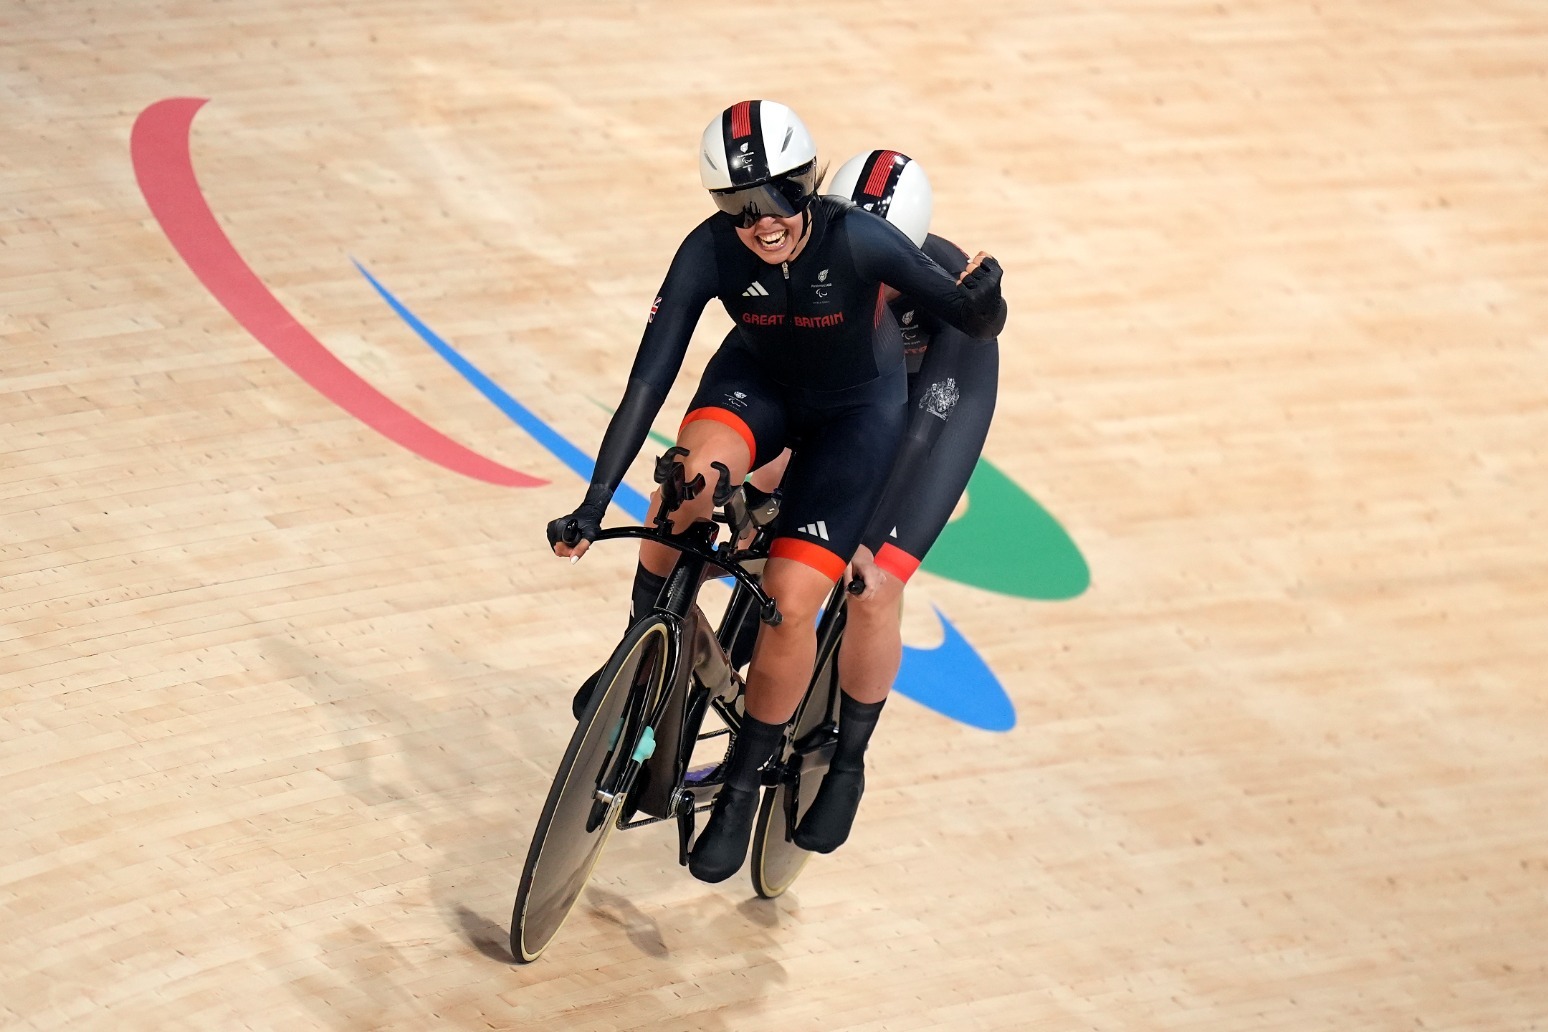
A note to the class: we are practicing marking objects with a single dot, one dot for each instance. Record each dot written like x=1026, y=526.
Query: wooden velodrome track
x=281, y=697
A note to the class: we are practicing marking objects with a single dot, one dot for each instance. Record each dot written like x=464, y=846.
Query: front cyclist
x=816, y=364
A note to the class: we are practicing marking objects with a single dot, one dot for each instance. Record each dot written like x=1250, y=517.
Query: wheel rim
x=574, y=826
x=778, y=861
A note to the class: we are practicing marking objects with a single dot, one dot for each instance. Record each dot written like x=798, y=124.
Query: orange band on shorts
x=808, y=554
x=896, y=562
x=730, y=419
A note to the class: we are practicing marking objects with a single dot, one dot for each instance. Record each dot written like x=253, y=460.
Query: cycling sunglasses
x=782, y=197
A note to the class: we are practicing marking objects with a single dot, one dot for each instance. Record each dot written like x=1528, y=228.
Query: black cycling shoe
x=722, y=845
x=827, y=821
x=583, y=695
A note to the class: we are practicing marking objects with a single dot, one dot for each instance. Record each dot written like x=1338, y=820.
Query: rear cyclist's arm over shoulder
x=933, y=401
x=881, y=251
x=689, y=285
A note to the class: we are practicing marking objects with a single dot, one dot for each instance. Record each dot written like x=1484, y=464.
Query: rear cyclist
x=952, y=382
x=816, y=363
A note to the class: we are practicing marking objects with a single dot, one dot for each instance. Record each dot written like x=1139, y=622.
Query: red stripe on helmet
x=741, y=120
x=881, y=171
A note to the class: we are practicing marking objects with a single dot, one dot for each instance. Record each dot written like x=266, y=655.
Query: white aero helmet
x=756, y=158
x=890, y=184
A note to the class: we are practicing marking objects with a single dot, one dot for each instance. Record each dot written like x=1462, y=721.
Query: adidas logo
x=818, y=529
x=756, y=290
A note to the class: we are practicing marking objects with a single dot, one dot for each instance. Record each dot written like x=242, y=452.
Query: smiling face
x=775, y=240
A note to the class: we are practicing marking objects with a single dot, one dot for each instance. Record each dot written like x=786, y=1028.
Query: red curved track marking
x=164, y=168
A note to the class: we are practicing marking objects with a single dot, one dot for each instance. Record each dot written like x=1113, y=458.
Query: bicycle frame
x=665, y=789
x=699, y=674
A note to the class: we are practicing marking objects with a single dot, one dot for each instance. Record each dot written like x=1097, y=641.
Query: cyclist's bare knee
x=799, y=590
x=709, y=441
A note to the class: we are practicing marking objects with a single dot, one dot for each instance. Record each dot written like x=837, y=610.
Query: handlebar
x=725, y=558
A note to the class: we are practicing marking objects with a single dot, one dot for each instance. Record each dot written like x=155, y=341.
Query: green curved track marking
x=1006, y=542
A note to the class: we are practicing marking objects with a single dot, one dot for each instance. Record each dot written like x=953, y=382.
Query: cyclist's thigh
x=837, y=473
x=939, y=483
x=735, y=393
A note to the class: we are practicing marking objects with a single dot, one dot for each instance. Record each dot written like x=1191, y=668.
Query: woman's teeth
x=773, y=239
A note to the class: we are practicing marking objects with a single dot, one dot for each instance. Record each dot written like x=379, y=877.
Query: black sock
x=856, y=722
x=647, y=588
x=755, y=745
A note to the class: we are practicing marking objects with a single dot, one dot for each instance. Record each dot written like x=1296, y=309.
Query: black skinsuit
x=815, y=363
x=952, y=384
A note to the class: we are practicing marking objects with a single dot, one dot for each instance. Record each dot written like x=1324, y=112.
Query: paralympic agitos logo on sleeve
x=1038, y=560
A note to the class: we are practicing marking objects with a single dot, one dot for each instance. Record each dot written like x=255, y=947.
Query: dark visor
x=782, y=196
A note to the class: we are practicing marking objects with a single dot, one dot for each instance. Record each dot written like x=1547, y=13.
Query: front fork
x=643, y=750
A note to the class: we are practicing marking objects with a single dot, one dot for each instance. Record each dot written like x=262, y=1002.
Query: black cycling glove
x=984, y=282
x=984, y=299
x=584, y=522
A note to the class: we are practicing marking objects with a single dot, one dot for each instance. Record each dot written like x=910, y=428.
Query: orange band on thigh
x=730, y=419
x=896, y=562
x=808, y=554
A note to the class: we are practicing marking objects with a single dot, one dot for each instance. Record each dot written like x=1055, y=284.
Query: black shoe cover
x=828, y=820
x=722, y=845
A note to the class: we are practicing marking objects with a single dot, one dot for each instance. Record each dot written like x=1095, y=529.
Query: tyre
x=575, y=824
x=776, y=860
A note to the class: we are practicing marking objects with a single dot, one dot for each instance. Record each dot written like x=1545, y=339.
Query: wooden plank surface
x=281, y=698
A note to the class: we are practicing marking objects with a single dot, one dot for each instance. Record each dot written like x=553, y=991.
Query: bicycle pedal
x=685, y=830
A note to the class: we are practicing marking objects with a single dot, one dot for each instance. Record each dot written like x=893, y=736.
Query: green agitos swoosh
x=1008, y=543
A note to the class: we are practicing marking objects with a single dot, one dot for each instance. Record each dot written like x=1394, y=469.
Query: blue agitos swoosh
x=951, y=678
x=954, y=680
x=627, y=498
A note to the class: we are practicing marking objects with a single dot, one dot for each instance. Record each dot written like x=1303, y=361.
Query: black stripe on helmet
x=875, y=186
x=741, y=130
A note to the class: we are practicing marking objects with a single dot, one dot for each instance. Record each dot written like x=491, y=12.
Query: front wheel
x=584, y=802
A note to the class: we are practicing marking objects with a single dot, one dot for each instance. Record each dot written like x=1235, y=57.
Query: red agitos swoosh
x=159, y=149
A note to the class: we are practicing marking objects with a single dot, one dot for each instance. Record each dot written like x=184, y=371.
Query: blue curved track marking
x=627, y=498
x=954, y=680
